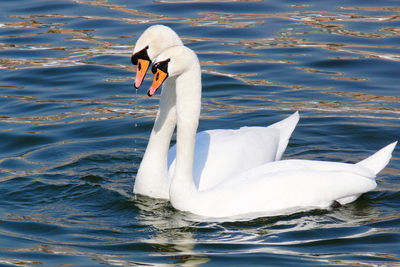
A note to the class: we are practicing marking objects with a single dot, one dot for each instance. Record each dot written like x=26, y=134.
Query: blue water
x=73, y=129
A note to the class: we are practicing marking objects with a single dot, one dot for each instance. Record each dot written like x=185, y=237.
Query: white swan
x=273, y=188
x=219, y=154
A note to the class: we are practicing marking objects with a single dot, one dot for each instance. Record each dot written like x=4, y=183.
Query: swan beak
x=142, y=67
x=159, y=78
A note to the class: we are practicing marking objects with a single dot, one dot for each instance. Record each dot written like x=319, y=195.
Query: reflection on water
x=284, y=235
x=172, y=235
x=73, y=129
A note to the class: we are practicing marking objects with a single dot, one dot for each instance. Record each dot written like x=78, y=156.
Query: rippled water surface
x=73, y=129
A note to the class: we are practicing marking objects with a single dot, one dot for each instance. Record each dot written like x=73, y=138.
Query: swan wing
x=220, y=154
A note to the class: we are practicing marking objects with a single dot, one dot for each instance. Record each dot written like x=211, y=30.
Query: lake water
x=73, y=129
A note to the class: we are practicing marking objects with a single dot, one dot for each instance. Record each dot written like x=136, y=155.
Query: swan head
x=171, y=63
x=151, y=43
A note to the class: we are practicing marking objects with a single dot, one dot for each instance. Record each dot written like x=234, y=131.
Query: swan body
x=273, y=188
x=219, y=154
x=282, y=187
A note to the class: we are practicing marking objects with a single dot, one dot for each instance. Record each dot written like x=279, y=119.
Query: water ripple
x=74, y=129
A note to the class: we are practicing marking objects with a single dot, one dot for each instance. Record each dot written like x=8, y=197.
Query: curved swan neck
x=188, y=106
x=154, y=164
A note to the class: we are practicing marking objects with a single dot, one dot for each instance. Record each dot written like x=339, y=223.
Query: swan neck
x=188, y=106
x=151, y=178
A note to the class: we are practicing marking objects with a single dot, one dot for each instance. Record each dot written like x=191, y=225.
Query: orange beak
x=159, y=78
x=142, y=67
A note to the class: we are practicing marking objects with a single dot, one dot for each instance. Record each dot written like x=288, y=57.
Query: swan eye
x=154, y=68
x=161, y=65
x=142, y=54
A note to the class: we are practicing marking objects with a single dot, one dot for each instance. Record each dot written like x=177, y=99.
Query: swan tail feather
x=286, y=128
x=379, y=159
